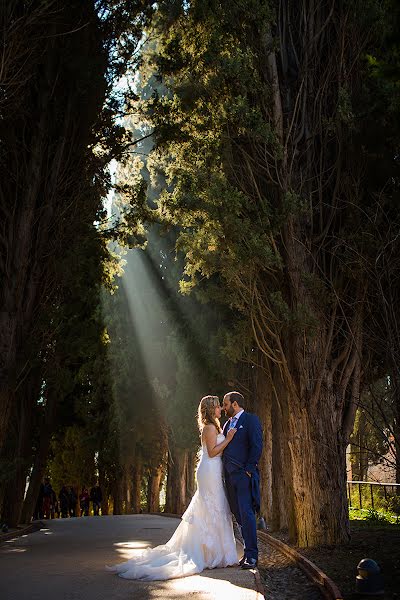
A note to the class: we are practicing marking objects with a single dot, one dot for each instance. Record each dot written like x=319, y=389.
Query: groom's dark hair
x=236, y=397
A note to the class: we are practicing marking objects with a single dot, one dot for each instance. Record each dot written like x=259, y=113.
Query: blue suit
x=242, y=454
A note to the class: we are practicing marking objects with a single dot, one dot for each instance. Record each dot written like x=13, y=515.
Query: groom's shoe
x=241, y=561
x=249, y=563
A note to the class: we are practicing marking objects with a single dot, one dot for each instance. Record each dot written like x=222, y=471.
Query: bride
x=204, y=539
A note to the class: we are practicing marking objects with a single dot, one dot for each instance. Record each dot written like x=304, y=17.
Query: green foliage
x=73, y=461
x=392, y=505
x=374, y=517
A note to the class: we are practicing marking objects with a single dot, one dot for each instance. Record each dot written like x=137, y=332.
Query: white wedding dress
x=203, y=540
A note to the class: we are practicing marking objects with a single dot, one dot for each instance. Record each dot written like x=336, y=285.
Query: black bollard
x=261, y=525
x=369, y=581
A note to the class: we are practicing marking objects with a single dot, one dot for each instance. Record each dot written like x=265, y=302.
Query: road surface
x=66, y=560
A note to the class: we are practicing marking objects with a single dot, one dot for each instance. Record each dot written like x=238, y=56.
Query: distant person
x=96, y=497
x=48, y=495
x=54, y=506
x=84, y=499
x=73, y=500
x=63, y=497
x=38, y=512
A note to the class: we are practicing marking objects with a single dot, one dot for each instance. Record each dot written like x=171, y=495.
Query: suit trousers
x=238, y=491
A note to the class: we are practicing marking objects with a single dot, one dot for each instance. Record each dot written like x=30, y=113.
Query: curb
x=327, y=587
x=259, y=588
x=258, y=584
x=4, y=537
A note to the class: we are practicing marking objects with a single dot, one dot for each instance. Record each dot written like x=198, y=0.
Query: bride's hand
x=230, y=434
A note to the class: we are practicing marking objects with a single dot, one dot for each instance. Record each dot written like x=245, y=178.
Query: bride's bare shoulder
x=209, y=431
x=209, y=427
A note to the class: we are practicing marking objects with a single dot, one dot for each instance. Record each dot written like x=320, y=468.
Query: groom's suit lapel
x=241, y=420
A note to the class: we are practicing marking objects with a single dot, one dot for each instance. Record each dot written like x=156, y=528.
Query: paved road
x=65, y=561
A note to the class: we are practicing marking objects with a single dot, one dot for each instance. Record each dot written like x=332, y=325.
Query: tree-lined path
x=195, y=197
x=66, y=561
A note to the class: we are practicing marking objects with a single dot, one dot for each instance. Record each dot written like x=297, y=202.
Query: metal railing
x=373, y=486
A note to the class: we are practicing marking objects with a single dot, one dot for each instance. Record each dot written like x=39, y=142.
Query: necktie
x=232, y=423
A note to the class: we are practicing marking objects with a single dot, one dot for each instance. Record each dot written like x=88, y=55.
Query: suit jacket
x=244, y=451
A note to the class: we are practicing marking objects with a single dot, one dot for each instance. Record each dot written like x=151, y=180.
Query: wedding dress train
x=203, y=540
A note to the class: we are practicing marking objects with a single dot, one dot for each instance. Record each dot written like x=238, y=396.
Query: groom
x=242, y=479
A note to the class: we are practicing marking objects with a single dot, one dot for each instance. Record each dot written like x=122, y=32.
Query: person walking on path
x=48, y=499
x=84, y=502
x=96, y=497
x=73, y=499
x=63, y=497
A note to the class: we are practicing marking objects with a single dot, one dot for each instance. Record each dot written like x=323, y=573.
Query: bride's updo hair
x=206, y=413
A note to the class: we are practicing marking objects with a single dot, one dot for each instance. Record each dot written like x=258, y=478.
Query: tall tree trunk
x=15, y=490
x=105, y=491
x=136, y=486
x=24, y=424
x=176, y=480
x=321, y=409
x=269, y=401
x=153, y=490
x=319, y=477
x=282, y=514
x=39, y=465
x=7, y=369
x=117, y=495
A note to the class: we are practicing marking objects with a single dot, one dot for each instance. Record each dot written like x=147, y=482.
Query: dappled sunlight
x=13, y=545
x=14, y=539
x=127, y=550
x=206, y=585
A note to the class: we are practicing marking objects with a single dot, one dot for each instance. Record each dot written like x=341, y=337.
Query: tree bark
x=282, y=514
x=153, y=490
x=136, y=487
x=321, y=409
x=7, y=369
x=117, y=495
x=176, y=480
x=15, y=489
x=39, y=465
x=319, y=478
x=105, y=491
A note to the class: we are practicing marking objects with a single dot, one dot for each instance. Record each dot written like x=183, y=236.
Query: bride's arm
x=209, y=436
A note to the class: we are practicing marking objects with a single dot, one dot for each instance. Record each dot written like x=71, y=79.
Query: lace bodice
x=220, y=439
